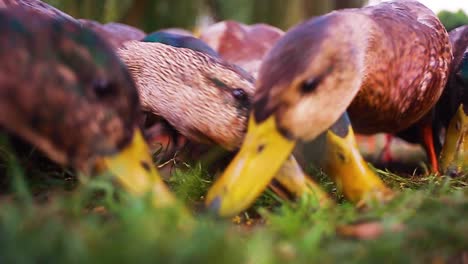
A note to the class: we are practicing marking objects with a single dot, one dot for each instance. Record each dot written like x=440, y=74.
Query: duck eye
x=310, y=85
x=239, y=94
x=103, y=88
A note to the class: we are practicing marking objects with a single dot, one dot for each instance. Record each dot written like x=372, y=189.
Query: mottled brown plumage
x=241, y=44
x=454, y=94
x=387, y=64
x=406, y=69
x=204, y=98
x=63, y=89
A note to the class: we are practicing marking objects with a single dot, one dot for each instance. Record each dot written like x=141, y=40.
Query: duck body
x=406, y=68
x=243, y=45
x=441, y=115
x=386, y=64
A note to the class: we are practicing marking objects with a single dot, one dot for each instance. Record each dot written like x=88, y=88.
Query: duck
x=385, y=65
x=442, y=130
x=57, y=77
x=241, y=44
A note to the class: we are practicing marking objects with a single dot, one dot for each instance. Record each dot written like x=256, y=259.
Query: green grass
x=97, y=222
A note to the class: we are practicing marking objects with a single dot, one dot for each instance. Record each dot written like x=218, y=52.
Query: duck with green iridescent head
x=387, y=65
x=64, y=91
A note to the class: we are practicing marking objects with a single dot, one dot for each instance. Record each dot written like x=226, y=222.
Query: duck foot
x=427, y=135
x=385, y=155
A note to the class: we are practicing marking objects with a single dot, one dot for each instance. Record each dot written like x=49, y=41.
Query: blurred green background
x=150, y=15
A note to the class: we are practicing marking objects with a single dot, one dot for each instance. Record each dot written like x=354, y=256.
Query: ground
x=58, y=217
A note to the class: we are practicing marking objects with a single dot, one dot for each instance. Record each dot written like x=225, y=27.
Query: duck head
x=305, y=84
x=204, y=98
x=67, y=93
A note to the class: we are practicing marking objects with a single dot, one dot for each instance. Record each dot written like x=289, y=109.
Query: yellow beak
x=454, y=158
x=343, y=162
x=292, y=178
x=263, y=152
x=134, y=169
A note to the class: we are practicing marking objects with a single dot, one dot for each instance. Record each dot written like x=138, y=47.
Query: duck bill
x=344, y=163
x=134, y=169
x=263, y=152
x=454, y=158
x=296, y=182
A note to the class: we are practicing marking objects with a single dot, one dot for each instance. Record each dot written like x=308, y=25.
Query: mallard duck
x=386, y=64
x=243, y=45
x=64, y=91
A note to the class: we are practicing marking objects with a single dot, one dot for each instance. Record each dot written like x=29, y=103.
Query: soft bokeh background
x=150, y=15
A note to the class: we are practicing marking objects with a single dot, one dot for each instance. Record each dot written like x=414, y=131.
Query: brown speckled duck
x=386, y=64
x=63, y=90
x=448, y=117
